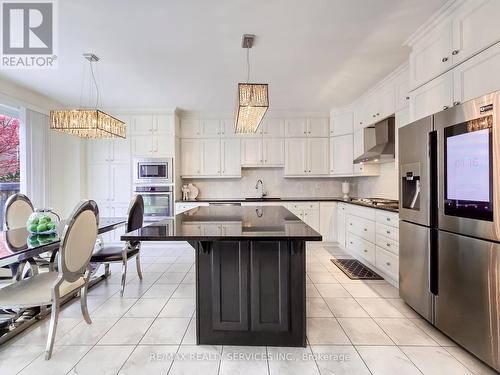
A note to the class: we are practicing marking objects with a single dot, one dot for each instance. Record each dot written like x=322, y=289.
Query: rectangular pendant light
x=253, y=102
x=87, y=123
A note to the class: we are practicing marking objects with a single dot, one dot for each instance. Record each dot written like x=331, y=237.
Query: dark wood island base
x=250, y=272
x=250, y=293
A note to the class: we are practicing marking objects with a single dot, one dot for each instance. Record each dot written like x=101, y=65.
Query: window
x=9, y=158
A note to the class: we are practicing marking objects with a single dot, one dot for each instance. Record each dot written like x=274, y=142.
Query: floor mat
x=356, y=270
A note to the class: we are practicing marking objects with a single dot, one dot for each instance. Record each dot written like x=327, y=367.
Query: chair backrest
x=78, y=240
x=17, y=210
x=135, y=213
x=135, y=216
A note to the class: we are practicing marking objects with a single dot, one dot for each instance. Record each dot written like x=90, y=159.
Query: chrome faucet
x=262, y=192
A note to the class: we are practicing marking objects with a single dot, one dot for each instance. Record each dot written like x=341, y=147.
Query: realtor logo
x=28, y=34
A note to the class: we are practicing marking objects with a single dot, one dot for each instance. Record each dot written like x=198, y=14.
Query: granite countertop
x=228, y=223
x=290, y=199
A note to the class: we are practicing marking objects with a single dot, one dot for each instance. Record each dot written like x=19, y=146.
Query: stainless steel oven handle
x=152, y=193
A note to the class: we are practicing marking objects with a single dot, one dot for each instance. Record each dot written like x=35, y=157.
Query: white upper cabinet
x=318, y=159
x=273, y=128
x=151, y=124
x=98, y=150
x=296, y=157
x=476, y=26
x=251, y=152
x=341, y=152
x=318, y=127
x=163, y=124
x=230, y=157
x=341, y=123
x=402, y=93
x=141, y=124
x=296, y=127
x=227, y=128
x=432, y=97
x=273, y=152
x=306, y=156
x=190, y=128
x=120, y=191
x=190, y=157
x=431, y=55
x=477, y=76
x=142, y=145
x=210, y=128
x=210, y=157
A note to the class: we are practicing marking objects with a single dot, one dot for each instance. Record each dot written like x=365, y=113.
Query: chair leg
x=106, y=270
x=124, y=275
x=52, y=329
x=83, y=299
x=138, y=264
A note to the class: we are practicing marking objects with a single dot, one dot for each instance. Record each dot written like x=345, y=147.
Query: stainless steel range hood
x=379, y=144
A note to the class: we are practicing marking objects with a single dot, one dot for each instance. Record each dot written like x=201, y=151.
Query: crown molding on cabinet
x=269, y=115
x=448, y=8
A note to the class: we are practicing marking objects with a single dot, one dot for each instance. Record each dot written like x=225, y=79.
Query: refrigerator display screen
x=468, y=166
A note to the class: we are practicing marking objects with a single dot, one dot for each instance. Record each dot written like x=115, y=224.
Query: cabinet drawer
x=361, y=247
x=387, y=244
x=387, y=262
x=364, y=212
x=388, y=218
x=295, y=206
x=387, y=231
x=361, y=227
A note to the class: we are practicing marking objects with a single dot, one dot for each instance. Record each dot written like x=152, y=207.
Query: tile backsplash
x=274, y=184
x=383, y=186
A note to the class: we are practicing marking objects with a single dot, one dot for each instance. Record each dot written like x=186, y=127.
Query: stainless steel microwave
x=153, y=171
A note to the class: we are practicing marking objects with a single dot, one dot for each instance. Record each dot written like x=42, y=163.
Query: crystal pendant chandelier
x=253, y=98
x=88, y=122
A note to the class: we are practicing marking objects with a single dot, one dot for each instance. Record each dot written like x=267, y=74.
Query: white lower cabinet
x=194, y=228
x=372, y=236
x=328, y=221
x=341, y=223
x=307, y=212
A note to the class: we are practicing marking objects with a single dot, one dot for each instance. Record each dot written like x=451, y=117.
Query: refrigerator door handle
x=415, y=196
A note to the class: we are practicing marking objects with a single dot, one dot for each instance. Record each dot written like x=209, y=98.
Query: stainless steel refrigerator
x=450, y=223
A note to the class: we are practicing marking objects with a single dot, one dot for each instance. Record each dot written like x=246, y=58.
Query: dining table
x=18, y=246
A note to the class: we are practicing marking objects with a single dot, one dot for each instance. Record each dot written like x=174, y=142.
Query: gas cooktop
x=377, y=202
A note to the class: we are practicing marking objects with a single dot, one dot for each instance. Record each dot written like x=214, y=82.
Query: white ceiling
x=315, y=54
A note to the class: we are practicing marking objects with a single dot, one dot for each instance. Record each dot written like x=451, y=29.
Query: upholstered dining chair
x=48, y=288
x=106, y=254
x=17, y=210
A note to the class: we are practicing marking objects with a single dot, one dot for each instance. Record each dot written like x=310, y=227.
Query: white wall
x=274, y=183
x=383, y=186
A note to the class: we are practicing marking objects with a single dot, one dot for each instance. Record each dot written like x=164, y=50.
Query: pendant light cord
x=95, y=84
x=248, y=64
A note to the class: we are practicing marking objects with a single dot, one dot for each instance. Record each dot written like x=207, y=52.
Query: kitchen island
x=250, y=272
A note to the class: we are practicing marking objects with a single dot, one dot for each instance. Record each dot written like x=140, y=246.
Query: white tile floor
x=354, y=327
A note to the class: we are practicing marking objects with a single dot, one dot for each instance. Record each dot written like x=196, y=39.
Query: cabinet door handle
x=365, y=250
x=388, y=263
x=445, y=107
x=456, y=103
x=388, y=232
x=388, y=245
x=350, y=224
x=378, y=114
x=373, y=115
x=455, y=52
x=365, y=229
x=388, y=219
x=444, y=59
x=407, y=98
